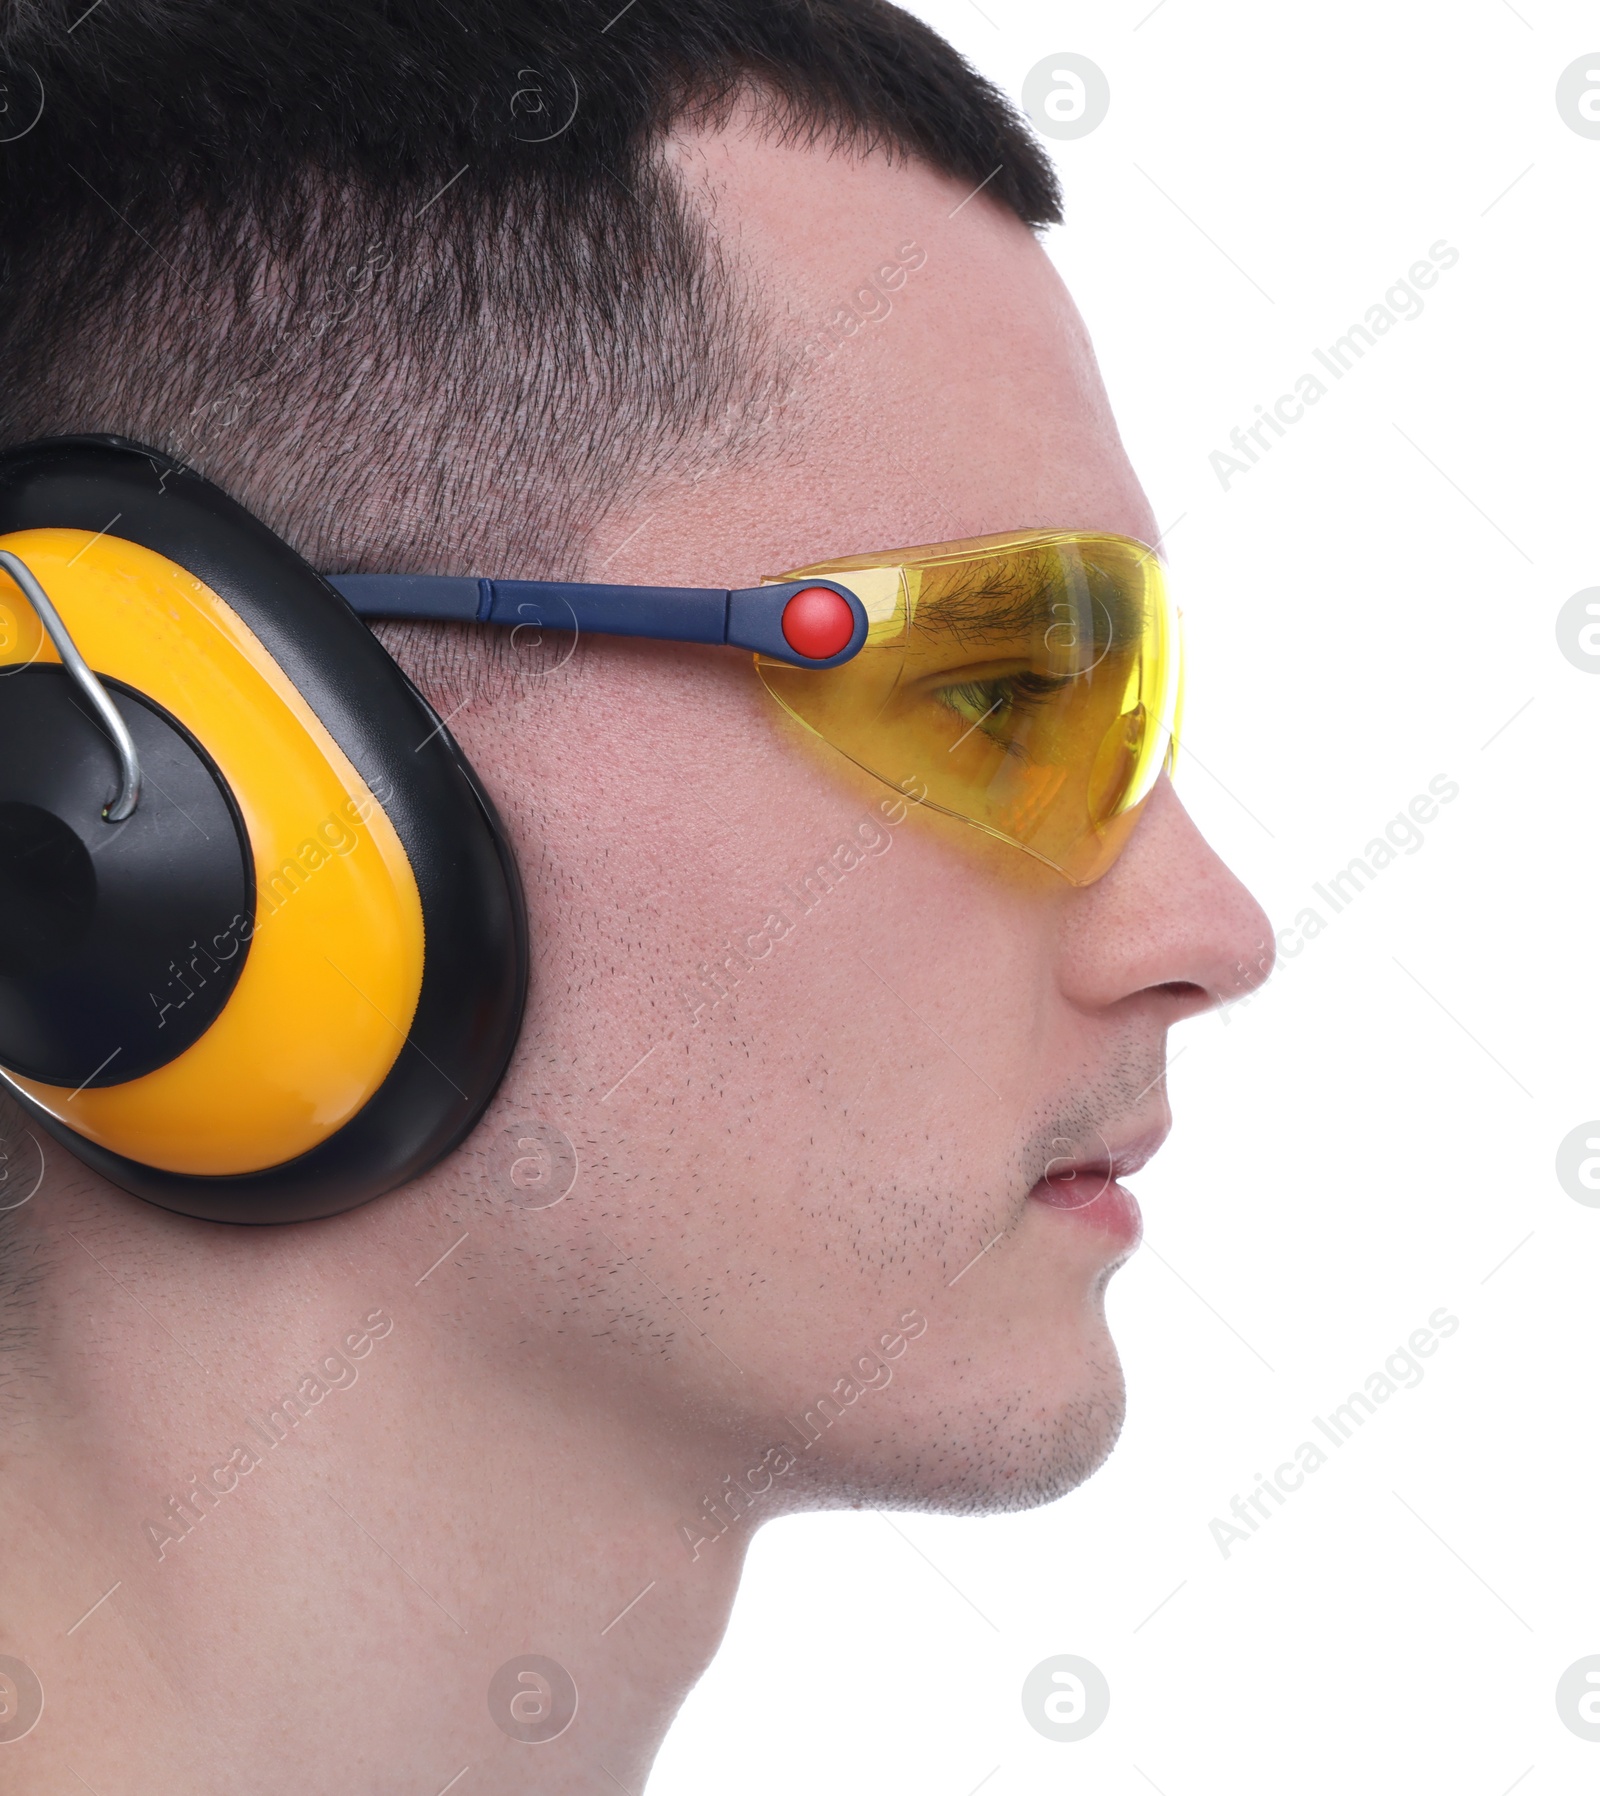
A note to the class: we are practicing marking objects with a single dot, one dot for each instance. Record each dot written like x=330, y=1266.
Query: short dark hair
x=310, y=245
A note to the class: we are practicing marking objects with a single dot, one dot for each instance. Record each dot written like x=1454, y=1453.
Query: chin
x=1028, y=1450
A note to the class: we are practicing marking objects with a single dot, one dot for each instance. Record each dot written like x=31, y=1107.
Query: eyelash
x=1016, y=692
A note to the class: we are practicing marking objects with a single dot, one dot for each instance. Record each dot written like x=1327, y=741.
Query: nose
x=1168, y=921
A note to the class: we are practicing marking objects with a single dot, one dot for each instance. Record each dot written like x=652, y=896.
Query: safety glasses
x=1028, y=683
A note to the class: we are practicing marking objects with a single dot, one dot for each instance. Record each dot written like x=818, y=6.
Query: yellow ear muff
x=334, y=952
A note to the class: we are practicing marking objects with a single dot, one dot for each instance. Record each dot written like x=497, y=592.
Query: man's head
x=688, y=296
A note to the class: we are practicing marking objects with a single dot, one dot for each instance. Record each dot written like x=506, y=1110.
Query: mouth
x=1086, y=1189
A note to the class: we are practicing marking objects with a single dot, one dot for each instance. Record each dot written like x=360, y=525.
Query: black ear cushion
x=475, y=970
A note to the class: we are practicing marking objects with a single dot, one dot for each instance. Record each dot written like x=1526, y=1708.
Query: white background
x=1372, y=605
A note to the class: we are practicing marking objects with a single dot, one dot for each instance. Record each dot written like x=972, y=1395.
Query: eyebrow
x=981, y=605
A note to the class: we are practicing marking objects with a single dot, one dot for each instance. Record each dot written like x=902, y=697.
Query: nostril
x=1185, y=991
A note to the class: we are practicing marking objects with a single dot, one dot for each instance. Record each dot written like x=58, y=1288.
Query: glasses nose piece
x=1114, y=774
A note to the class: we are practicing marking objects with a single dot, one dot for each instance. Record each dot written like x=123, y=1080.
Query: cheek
x=841, y=1078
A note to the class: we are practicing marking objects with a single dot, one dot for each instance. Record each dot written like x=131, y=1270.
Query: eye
x=1000, y=705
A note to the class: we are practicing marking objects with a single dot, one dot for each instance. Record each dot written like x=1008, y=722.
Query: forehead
x=944, y=383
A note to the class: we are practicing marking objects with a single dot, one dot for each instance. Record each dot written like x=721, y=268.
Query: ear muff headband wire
x=132, y=777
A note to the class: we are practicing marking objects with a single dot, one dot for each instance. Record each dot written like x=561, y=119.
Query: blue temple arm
x=748, y=617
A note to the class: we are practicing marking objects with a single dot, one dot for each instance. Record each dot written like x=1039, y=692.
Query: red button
x=818, y=622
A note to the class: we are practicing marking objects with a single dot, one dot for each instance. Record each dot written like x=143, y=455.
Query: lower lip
x=1095, y=1201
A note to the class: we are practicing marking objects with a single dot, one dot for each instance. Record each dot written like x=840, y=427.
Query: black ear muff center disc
x=46, y=890
x=119, y=942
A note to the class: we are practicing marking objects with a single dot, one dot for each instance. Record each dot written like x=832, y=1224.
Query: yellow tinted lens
x=1027, y=683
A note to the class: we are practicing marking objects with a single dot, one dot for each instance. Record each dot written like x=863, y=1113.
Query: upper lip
x=1118, y=1160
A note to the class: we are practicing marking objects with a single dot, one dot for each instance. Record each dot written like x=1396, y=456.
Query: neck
x=327, y=1518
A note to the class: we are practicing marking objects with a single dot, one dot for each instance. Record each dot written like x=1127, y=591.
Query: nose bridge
x=1168, y=914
